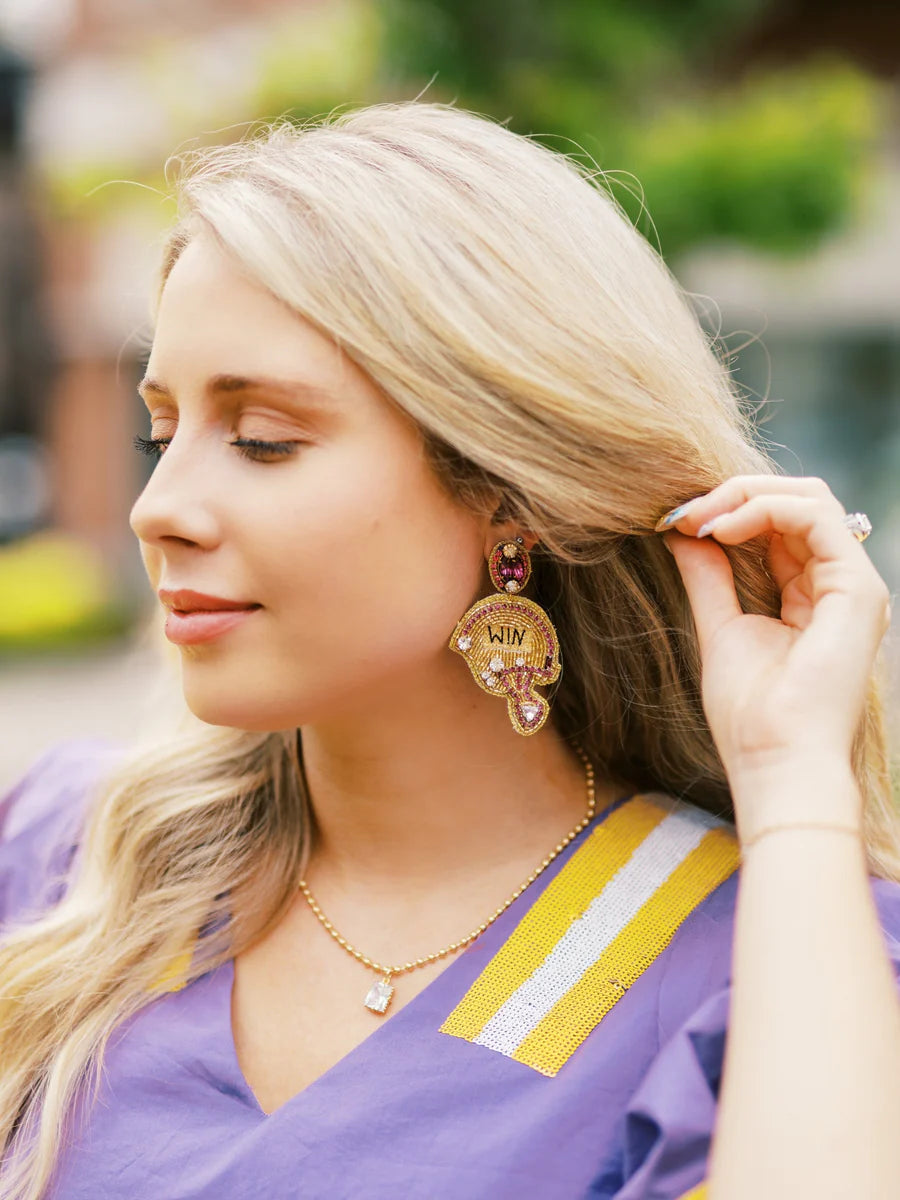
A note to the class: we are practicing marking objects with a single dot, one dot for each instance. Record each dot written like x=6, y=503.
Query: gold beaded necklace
x=379, y=994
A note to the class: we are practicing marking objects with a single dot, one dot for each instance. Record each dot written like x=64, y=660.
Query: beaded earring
x=509, y=641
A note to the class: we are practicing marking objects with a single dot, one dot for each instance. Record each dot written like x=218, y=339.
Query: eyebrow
x=289, y=389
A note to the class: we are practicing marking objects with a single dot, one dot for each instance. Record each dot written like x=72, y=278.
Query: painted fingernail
x=671, y=517
x=705, y=528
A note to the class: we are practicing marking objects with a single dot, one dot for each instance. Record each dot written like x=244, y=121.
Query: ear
x=505, y=526
x=506, y=531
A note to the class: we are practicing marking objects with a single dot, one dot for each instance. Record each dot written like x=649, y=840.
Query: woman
x=435, y=890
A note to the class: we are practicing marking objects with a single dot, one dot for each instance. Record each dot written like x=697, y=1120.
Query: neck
x=434, y=786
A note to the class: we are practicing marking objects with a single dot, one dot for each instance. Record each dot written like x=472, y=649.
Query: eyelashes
x=152, y=447
x=252, y=448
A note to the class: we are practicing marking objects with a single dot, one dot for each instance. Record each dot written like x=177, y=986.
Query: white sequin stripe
x=586, y=938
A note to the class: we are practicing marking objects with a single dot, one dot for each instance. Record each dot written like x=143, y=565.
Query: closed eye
x=246, y=446
x=250, y=448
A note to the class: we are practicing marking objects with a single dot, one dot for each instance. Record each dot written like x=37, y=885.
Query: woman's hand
x=781, y=691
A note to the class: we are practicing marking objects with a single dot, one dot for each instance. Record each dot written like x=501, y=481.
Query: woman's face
x=360, y=562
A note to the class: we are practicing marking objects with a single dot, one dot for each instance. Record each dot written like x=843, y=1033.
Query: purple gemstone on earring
x=511, y=569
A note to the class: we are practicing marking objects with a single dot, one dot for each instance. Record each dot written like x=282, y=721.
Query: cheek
x=378, y=570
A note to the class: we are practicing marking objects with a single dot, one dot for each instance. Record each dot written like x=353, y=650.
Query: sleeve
x=40, y=820
x=666, y=1134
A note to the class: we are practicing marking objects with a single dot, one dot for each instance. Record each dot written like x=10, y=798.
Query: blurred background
x=754, y=142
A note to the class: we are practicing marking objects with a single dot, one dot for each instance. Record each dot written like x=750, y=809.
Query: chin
x=232, y=718
x=237, y=707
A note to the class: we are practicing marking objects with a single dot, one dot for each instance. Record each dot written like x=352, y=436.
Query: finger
x=839, y=569
x=783, y=566
x=814, y=528
x=709, y=583
x=737, y=490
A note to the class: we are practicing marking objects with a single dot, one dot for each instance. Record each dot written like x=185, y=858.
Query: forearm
x=810, y=1098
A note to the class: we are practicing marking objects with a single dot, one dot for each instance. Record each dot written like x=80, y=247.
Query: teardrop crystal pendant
x=379, y=994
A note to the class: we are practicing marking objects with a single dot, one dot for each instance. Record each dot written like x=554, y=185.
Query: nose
x=178, y=502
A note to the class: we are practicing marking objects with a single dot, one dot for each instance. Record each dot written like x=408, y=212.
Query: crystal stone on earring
x=464, y=643
x=512, y=585
x=531, y=712
x=379, y=995
x=489, y=678
x=496, y=663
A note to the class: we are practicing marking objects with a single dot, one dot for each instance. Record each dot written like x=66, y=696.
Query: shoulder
x=666, y=1130
x=41, y=815
x=634, y=910
x=699, y=959
x=696, y=976
x=679, y=877
x=678, y=884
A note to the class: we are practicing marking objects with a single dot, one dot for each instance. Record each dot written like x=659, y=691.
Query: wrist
x=794, y=791
x=850, y=831
x=789, y=771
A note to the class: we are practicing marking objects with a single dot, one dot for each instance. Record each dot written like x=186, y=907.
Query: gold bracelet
x=855, y=830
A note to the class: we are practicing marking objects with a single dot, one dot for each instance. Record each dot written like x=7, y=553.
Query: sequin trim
x=174, y=978
x=597, y=926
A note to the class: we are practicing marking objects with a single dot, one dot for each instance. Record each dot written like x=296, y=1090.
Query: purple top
x=413, y=1111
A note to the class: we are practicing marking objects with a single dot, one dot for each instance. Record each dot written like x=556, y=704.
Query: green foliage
x=777, y=164
x=299, y=63
x=321, y=57
x=96, y=191
x=619, y=50
x=775, y=160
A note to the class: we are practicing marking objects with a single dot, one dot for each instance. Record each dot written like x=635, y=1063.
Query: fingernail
x=665, y=542
x=704, y=529
x=670, y=517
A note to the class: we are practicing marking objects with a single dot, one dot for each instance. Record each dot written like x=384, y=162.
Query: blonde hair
x=500, y=296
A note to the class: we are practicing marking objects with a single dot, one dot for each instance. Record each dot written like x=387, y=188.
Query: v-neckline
x=378, y=1032
x=455, y=978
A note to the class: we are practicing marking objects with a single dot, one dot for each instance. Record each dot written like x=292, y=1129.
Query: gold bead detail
x=510, y=549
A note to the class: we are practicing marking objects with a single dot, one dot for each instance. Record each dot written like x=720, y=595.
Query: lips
x=199, y=617
x=186, y=600
x=188, y=628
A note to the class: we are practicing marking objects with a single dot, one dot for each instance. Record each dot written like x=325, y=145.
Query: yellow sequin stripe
x=607, y=848
x=697, y=1193
x=173, y=978
x=597, y=926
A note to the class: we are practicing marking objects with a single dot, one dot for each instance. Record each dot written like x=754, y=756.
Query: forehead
x=223, y=385
x=223, y=333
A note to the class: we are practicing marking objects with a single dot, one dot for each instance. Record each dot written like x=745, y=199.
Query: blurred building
x=829, y=359
x=117, y=82
x=27, y=348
